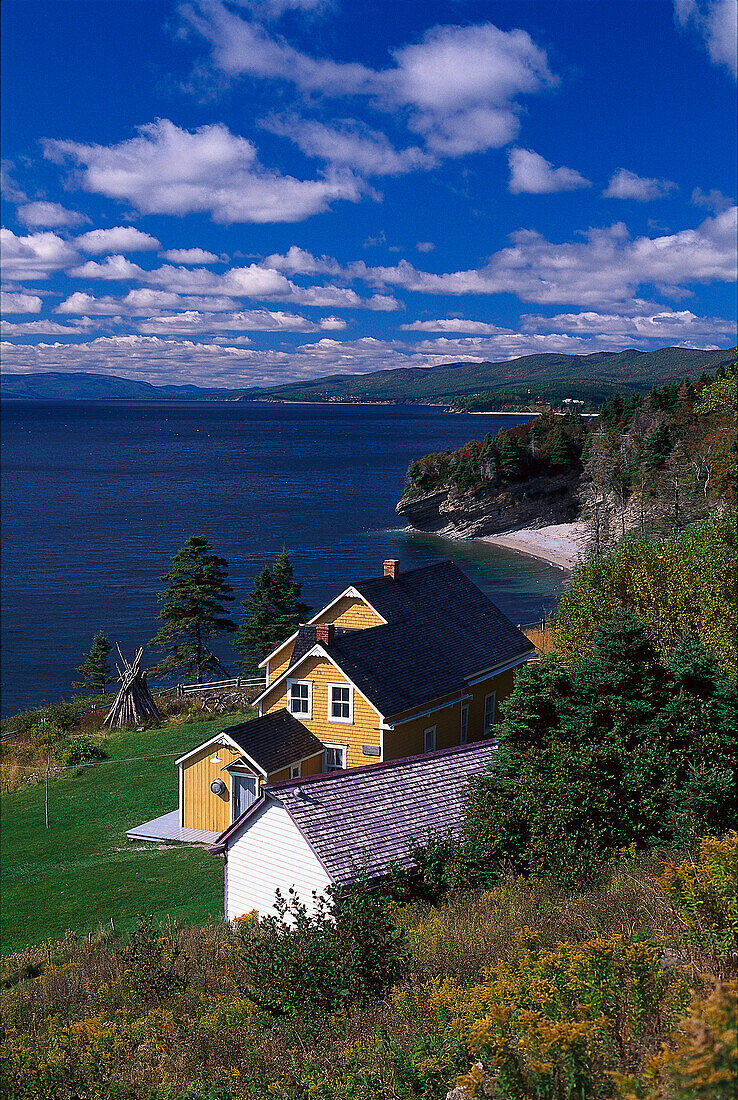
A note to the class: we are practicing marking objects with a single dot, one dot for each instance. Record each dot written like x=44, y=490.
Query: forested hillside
x=528, y=379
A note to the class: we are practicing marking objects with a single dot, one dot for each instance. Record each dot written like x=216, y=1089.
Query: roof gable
x=274, y=741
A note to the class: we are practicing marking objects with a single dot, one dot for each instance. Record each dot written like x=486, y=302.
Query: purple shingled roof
x=365, y=819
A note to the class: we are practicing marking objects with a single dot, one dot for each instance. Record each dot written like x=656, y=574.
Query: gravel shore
x=560, y=544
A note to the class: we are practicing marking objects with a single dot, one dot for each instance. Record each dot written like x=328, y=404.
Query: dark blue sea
x=97, y=496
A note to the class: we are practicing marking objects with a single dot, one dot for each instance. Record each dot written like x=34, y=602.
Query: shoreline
x=560, y=544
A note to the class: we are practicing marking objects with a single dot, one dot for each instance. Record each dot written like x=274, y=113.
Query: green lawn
x=82, y=871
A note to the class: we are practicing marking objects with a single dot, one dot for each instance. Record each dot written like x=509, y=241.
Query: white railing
x=237, y=683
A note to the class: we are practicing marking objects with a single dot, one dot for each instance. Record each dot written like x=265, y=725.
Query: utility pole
x=46, y=794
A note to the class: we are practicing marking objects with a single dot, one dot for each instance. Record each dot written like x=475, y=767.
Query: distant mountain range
x=80, y=386
x=531, y=377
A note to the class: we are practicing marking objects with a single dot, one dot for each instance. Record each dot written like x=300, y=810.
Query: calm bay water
x=97, y=496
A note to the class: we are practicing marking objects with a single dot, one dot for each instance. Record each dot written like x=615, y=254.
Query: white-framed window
x=340, y=703
x=464, y=727
x=295, y=771
x=335, y=758
x=489, y=713
x=429, y=739
x=300, y=698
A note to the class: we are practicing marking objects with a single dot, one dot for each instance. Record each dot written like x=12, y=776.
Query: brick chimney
x=392, y=568
x=324, y=633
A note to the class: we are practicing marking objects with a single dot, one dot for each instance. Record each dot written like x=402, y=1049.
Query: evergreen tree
x=289, y=610
x=509, y=457
x=559, y=456
x=272, y=611
x=193, y=612
x=95, y=669
x=657, y=445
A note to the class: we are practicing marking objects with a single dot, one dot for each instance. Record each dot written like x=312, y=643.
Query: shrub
x=705, y=894
x=340, y=954
x=78, y=750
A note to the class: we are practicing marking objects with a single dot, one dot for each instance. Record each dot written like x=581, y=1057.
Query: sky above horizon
x=248, y=192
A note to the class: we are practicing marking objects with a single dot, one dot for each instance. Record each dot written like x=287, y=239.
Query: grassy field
x=82, y=871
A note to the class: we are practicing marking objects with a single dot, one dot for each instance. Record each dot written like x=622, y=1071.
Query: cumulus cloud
x=189, y=256
x=532, y=174
x=49, y=215
x=717, y=23
x=169, y=170
x=425, y=246
x=297, y=261
x=122, y=238
x=460, y=85
x=713, y=200
x=36, y=256
x=139, y=302
x=193, y=322
x=607, y=266
x=627, y=185
x=455, y=324
x=19, y=302
x=658, y=324
x=348, y=143
x=45, y=328
x=11, y=191
x=112, y=267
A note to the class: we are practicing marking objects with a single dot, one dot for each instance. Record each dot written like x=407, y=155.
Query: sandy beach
x=561, y=544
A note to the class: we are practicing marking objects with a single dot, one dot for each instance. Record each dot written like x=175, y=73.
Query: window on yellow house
x=301, y=698
x=464, y=730
x=340, y=703
x=489, y=713
x=335, y=758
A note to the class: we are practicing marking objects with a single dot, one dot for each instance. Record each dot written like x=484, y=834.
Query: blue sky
x=242, y=193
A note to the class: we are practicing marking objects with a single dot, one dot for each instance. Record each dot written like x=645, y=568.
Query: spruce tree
x=193, y=612
x=559, y=456
x=272, y=611
x=289, y=610
x=95, y=669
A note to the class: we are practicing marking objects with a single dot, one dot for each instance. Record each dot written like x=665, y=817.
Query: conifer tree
x=559, y=455
x=272, y=611
x=95, y=669
x=193, y=612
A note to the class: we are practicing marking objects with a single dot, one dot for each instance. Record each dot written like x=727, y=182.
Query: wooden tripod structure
x=134, y=702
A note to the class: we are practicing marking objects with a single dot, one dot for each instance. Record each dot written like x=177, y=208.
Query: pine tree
x=193, y=611
x=289, y=610
x=559, y=455
x=95, y=669
x=272, y=611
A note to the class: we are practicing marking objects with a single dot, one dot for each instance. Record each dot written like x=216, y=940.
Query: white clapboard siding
x=269, y=853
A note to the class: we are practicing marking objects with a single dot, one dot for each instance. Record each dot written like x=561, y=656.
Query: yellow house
x=402, y=664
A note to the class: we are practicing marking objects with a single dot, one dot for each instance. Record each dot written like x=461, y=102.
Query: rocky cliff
x=472, y=513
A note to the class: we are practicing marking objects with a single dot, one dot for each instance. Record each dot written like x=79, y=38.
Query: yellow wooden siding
x=365, y=727
x=312, y=766
x=280, y=662
x=409, y=737
x=352, y=613
x=202, y=808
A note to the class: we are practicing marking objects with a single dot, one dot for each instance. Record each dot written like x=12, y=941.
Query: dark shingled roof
x=365, y=819
x=275, y=741
x=441, y=629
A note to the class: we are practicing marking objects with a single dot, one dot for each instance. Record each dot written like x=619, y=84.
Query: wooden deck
x=168, y=827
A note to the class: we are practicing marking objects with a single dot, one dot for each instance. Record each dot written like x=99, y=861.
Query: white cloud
x=350, y=144
x=11, y=191
x=45, y=328
x=112, y=267
x=34, y=257
x=49, y=215
x=139, y=302
x=532, y=174
x=190, y=256
x=122, y=238
x=713, y=200
x=717, y=23
x=18, y=302
x=425, y=246
x=607, y=266
x=658, y=324
x=169, y=170
x=460, y=84
x=193, y=322
x=296, y=261
x=456, y=324
x=627, y=185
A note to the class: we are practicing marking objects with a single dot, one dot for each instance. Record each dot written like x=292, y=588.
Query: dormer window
x=301, y=698
x=340, y=703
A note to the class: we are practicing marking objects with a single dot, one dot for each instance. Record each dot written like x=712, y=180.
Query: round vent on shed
x=218, y=786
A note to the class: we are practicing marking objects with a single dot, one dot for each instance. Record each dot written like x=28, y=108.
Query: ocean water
x=97, y=496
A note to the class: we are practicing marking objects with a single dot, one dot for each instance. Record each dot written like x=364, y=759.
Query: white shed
x=333, y=828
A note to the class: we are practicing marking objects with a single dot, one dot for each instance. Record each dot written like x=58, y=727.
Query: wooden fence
x=245, y=684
